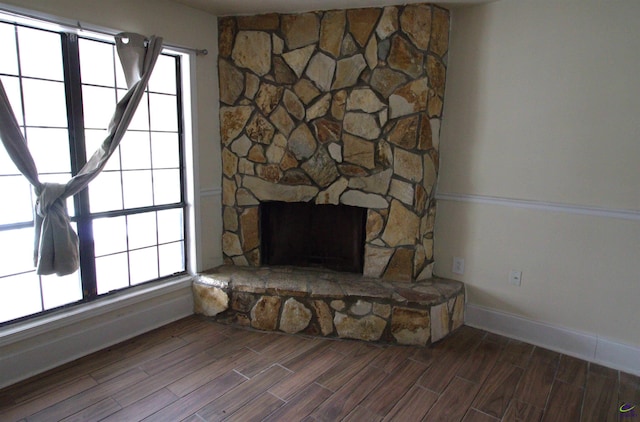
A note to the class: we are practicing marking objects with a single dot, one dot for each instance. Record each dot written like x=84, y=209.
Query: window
x=131, y=219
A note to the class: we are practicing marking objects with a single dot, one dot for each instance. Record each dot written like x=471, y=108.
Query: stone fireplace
x=335, y=107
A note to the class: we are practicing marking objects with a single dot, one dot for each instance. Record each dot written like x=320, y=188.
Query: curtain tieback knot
x=47, y=197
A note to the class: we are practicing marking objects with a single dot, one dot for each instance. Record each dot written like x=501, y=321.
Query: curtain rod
x=20, y=12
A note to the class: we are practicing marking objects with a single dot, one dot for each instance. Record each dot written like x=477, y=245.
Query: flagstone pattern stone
x=336, y=107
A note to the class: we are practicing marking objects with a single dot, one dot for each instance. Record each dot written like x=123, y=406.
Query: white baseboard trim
x=541, y=206
x=581, y=345
x=70, y=334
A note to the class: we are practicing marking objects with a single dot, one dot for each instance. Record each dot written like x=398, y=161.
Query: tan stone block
x=252, y=50
x=249, y=228
x=331, y=31
x=251, y=85
x=338, y=104
x=300, y=29
x=434, y=106
x=241, y=146
x=268, y=97
x=305, y=90
x=405, y=132
x=230, y=219
x=358, y=151
x=264, y=315
x=402, y=191
x=439, y=322
x=405, y=57
x=371, y=53
x=256, y=154
x=363, y=200
x=363, y=125
x=240, y=261
x=364, y=99
x=416, y=23
x=324, y=317
x=228, y=192
x=288, y=162
x=266, y=191
x=241, y=301
x=362, y=22
x=382, y=310
x=376, y=260
x=388, y=22
x=408, y=165
x=293, y=104
x=302, y=143
x=321, y=168
x=232, y=121
x=376, y=183
x=260, y=130
x=331, y=195
x=277, y=44
x=440, y=31
x=402, y=226
x=349, y=46
x=348, y=71
x=295, y=177
x=368, y=328
x=275, y=153
x=253, y=257
x=327, y=130
x=280, y=118
x=295, y=316
x=245, y=198
x=320, y=70
x=229, y=163
x=409, y=99
x=427, y=243
x=437, y=75
x=458, y=312
x=265, y=22
x=361, y=308
x=385, y=81
x=231, y=244
x=400, y=266
x=429, y=172
x=319, y=108
x=246, y=167
x=384, y=154
x=335, y=151
x=298, y=59
x=374, y=225
x=231, y=82
x=351, y=170
x=226, y=33
x=421, y=198
x=209, y=300
x=338, y=305
x=410, y=326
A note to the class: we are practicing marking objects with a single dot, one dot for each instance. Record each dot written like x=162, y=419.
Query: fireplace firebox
x=309, y=235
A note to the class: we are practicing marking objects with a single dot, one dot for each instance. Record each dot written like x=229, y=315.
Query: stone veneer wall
x=340, y=106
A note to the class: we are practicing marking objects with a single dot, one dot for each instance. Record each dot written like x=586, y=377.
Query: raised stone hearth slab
x=331, y=304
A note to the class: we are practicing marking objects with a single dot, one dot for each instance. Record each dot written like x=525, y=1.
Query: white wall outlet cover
x=458, y=265
x=515, y=277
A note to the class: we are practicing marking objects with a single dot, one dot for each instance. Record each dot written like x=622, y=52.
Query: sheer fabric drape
x=56, y=244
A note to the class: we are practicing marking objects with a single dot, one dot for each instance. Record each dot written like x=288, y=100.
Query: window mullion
x=75, y=117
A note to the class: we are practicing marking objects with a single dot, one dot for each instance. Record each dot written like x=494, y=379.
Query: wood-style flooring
x=198, y=370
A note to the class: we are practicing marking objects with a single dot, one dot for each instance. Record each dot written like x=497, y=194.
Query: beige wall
x=542, y=105
x=182, y=26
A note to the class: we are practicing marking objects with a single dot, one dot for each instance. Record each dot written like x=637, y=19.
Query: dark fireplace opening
x=309, y=235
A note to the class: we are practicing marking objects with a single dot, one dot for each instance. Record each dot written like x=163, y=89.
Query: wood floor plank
x=572, y=371
x=480, y=362
x=88, y=397
x=339, y=375
x=301, y=404
x=629, y=391
x=535, y=384
x=517, y=353
x=565, y=403
x=498, y=389
x=235, y=398
x=413, y=406
x=161, y=363
x=454, y=401
x=443, y=369
x=390, y=357
x=257, y=409
x=202, y=376
x=306, y=375
x=393, y=387
x=600, y=397
x=200, y=397
x=360, y=414
x=285, y=348
x=345, y=399
x=95, y=412
x=35, y=405
x=144, y=407
x=522, y=412
x=474, y=415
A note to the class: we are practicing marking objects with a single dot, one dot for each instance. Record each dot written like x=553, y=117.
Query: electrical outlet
x=515, y=277
x=458, y=265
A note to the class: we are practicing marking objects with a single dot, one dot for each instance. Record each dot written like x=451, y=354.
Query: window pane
x=58, y=291
x=19, y=296
x=138, y=191
x=50, y=149
x=164, y=112
x=9, y=62
x=112, y=272
x=170, y=225
x=166, y=186
x=12, y=88
x=44, y=103
x=18, y=189
x=144, y=265
x=163, y=78
x=165, y=150
x=6, y=165
x=93, y=139
x=140, y=119
x=142, y=230
x=109, y=235
x=17, y=248
x=136, y=152
x=171, y=257
x=40, y=54
x=96, y=62
x=105, y=192
x=99, y=105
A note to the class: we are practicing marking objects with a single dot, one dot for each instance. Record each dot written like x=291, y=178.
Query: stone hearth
x=331, y=304
x=335, y=107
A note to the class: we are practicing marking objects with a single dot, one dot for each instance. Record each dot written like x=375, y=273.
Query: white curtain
x=56, y=244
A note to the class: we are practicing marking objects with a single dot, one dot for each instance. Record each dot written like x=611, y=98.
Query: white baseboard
x=38, y=345
x=581, y=345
